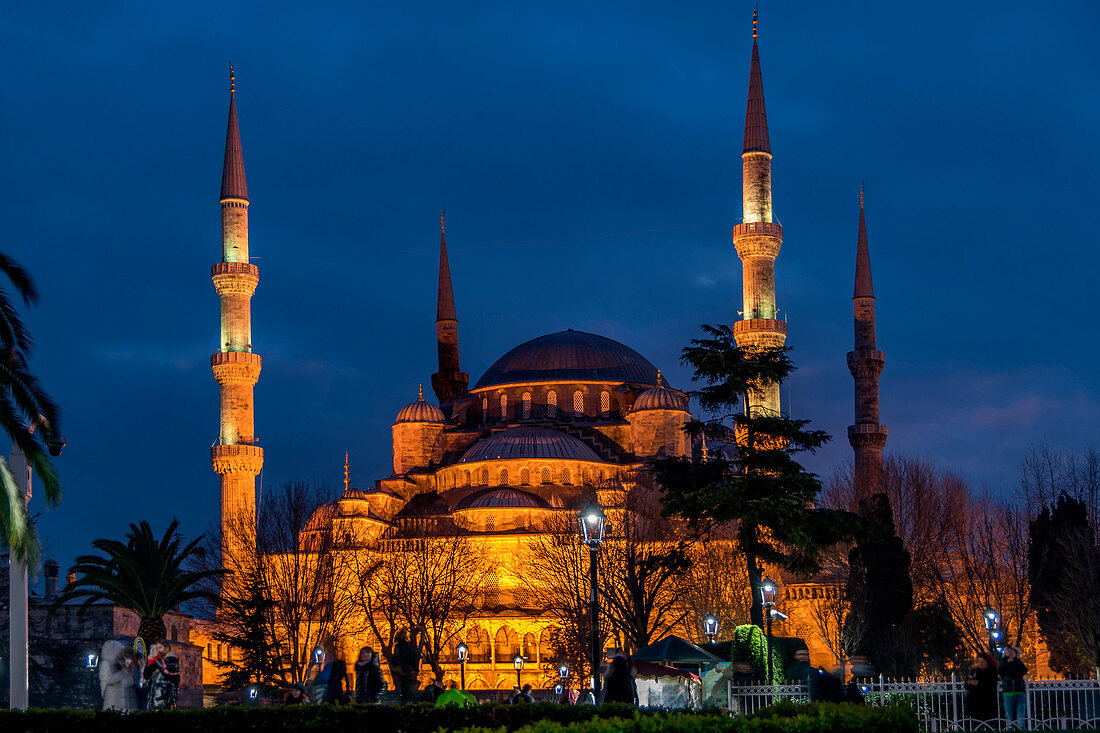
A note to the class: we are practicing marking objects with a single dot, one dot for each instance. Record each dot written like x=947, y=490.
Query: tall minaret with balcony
x=867, y=436
x=757, y=238
x=235, y=455
x=450, y=381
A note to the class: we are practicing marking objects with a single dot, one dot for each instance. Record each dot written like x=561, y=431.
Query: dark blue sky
x=589, y=158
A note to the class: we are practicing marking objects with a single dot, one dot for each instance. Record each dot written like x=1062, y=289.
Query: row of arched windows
x=545, y=475
x=526, y=401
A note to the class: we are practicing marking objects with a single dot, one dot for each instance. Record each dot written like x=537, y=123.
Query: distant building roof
x=420, y=410
x=529, y=442
x=660, y=398
x=570, y=355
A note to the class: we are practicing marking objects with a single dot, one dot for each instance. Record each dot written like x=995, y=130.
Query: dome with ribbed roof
x=420, y=411
x=502, y=498
x=569, y=356
x=660, y=398
x=529, y=442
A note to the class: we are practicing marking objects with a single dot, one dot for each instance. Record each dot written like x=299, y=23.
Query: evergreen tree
x=880, y=589
x=242, y=624
x=755, y=483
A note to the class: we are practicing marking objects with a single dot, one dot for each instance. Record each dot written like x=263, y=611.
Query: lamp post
x=517, y=662
x=91, y=663
x=767, y=597
x=992, y=621
x=711, y=625
x=592, y=527
x=463, y=655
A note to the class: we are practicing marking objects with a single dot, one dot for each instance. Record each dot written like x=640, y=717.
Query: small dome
x=420, y=411
x=660, y=398
x=529, y=442
x=502, y=498
x=321, y=519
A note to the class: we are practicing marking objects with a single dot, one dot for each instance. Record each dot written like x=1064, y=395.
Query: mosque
x=557, y=421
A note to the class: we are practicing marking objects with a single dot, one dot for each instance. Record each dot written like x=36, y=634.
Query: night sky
x=589, y=158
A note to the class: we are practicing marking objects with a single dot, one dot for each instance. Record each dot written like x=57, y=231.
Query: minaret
x=450, y=381
x=867, y=436
x=757, y=238
x=236, y=457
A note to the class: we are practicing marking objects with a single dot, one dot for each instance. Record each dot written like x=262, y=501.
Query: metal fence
x=1051, y=704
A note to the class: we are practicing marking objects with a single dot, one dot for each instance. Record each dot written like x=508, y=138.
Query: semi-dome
x=502, y=498
x=570, y=356
x=660, y=398
x=420, y=411
x=529, y=442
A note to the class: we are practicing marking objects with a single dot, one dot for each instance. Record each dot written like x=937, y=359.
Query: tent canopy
x=673, y=650
x=652, y=669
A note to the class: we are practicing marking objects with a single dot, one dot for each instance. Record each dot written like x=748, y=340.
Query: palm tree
x=24, y=406
x=143, y=574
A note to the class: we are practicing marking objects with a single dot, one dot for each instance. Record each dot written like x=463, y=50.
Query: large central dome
x=569, y=356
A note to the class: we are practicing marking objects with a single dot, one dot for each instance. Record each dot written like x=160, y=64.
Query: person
x=336, y=690
x=322, y=661
x=433, y=690
x=800, y=671
x=296, y=695
x=569, y=697
x=514, y=697
x=852, y=693
x=116, y=678
x=1013, y=674
x=619, y=686
x=525, y=694
x=406, y=660
x=981, y=689
x=161, y=678
x=368, y=676
x=455, y=697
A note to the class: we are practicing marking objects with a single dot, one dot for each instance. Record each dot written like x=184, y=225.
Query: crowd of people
x=128, y=682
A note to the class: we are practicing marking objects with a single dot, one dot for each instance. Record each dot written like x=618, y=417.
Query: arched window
x=546, y=475
x=503, y=476
x=578, y=404
x=484, y=477
x=605, y=402
x=466, y=479
x=173, y=634
x=565, y=476
x=526, y=405
x=551, y=404
x=524, y=477
x=584, y=475
x=530, y=648
x=209, y=651
x=504, y=407
x=484, y=409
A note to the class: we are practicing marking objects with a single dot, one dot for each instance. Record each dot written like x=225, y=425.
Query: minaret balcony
x=239, y=458
x=867, y=435
x=758, y=239
x=866, y=363
x=759, y=325
x=235, y=278
x=236, y=367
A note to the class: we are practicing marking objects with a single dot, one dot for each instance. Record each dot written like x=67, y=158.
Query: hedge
x=495, y=718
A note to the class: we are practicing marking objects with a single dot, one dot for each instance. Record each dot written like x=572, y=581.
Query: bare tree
x=424, y=576
x=718, y=584
x=281, y=600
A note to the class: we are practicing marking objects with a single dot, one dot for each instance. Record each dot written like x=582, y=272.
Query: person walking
x=296, y=695
x=161, y=678
x=981, y=689
x=368, y=676
x=116, y=678
x=336, y=691
x=1013, y=673
x=619, y=685
x=406, y=659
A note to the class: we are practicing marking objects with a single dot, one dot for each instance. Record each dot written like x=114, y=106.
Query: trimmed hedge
x=422, y=718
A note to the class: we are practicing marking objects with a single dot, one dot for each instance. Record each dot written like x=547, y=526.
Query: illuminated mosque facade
x=559, y=420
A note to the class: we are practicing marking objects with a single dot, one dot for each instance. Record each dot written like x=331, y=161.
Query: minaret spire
x=757, y=238
x=347, y=473
x=865, y=362
x=450, y=381
x=235, y=455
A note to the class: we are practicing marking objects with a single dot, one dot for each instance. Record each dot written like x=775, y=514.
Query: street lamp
x=592, y=526
x=517, y=662
x=563, y=672
x=710, y=628
x=91, y=661
x=767, y=597
x=992, y=621
x=463, y=656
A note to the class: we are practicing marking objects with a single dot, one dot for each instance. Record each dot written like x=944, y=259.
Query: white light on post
x=463, y=655
x=517, y=662
x=711, y=625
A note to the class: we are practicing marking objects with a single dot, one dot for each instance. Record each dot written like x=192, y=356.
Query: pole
x=518, y=680
x=595, y=605
x=770, y=671
x=462, y=672
x=17, y=597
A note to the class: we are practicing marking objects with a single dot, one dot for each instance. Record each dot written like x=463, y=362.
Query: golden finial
x=420, y=392
x=861, y=194
x=442, y=219
x=704, y=447
x=232, y=79
x=658, y=377
x=347, y=472
x=755, y=18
